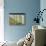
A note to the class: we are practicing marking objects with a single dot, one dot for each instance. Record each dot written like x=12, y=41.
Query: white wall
x=29, y=7
x=43, y=6
x=1, y=21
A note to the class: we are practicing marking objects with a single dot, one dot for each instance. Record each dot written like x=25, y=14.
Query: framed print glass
x=17, y=18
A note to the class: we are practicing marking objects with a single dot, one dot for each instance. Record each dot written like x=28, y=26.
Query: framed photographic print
x=17, y=18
